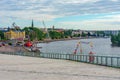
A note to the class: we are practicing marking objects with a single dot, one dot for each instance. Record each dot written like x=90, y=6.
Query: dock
x=14, y=67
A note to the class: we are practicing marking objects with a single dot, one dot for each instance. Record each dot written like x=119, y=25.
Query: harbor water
x=101, y=46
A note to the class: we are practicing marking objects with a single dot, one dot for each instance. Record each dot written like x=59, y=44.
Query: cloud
x=114, y=0
x=111, y=22
x=49, y=10
x=58, y=7
x=76, y=1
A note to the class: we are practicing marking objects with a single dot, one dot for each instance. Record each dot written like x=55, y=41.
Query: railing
x=99, y=60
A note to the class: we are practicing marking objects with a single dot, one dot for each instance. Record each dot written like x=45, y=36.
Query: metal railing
x=98, y=60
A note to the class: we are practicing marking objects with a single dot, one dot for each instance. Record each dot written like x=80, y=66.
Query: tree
x=67, y=33
x=89, y=34
x=38, y=34
x=55, y=35
x=83, y=34
x=118, y=39
x=113, y=39
x=2, y=35
x=34, y=33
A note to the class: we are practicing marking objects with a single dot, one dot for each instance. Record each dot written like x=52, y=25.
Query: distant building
x=3, y=29
x=113, y=32
x=76, y=32
x=59, y=30
x=14, y=34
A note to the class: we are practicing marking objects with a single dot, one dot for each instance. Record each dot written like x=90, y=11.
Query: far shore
x=65, y=39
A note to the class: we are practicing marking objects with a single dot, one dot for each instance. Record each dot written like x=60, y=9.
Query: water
x=101, y=46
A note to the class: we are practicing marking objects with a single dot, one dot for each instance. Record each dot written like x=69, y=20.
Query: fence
x=99, y=60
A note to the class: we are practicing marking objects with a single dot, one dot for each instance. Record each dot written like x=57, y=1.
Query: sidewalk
x=14, y=67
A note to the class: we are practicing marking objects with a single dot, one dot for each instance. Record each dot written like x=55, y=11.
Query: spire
x=53, y=27
x=32, y=25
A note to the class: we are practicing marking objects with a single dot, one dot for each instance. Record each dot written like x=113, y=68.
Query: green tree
x=83, y=34
x=67, y=33
x=38, y=33
x=113, y=39
x=2, y=35
x=34, y=33
x=56, y=35
x=118, y=39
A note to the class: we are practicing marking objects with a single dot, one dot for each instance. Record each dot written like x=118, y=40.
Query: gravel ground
x=13, y=67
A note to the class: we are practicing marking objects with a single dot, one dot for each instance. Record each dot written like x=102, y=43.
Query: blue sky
x=67, y=14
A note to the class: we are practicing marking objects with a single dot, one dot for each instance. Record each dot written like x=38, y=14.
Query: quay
x=14, y=67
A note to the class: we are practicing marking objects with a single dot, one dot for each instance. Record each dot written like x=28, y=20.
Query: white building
x=113, y=32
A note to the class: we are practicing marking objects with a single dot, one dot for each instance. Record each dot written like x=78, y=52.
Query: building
x=113, y=32
x=76, y=32
x=15, y=34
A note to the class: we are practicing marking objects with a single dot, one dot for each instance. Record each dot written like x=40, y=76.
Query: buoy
x=91, y=56
x=28, y=44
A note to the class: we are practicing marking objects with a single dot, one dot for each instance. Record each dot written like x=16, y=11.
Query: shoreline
x=8, y=48
x=53, y=40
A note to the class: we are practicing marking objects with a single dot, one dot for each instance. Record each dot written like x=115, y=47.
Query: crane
x=46, y=30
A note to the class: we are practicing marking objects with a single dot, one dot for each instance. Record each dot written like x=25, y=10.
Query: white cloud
x=111, y=22
x=59, y=7
x=50, y=9
x=114, y=0
x=76, y=1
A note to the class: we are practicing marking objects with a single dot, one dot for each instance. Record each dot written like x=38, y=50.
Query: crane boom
x=47, y=36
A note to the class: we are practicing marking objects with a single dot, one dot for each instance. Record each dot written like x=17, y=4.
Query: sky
x=67, y=14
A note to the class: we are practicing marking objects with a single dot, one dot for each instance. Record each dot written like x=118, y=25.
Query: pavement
x=13, y=67
x=8, y=48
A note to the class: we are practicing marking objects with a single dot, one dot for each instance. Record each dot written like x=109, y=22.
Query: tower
x=53, y=27
x=32, y=25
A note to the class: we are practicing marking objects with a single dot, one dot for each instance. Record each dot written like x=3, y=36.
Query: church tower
x=32, y=25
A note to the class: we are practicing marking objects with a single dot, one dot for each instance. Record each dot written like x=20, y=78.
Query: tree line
x=34, y=33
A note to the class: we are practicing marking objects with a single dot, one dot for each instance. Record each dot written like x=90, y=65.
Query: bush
x=9, y=43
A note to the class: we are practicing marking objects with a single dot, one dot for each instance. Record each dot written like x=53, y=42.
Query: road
x=13, y=67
